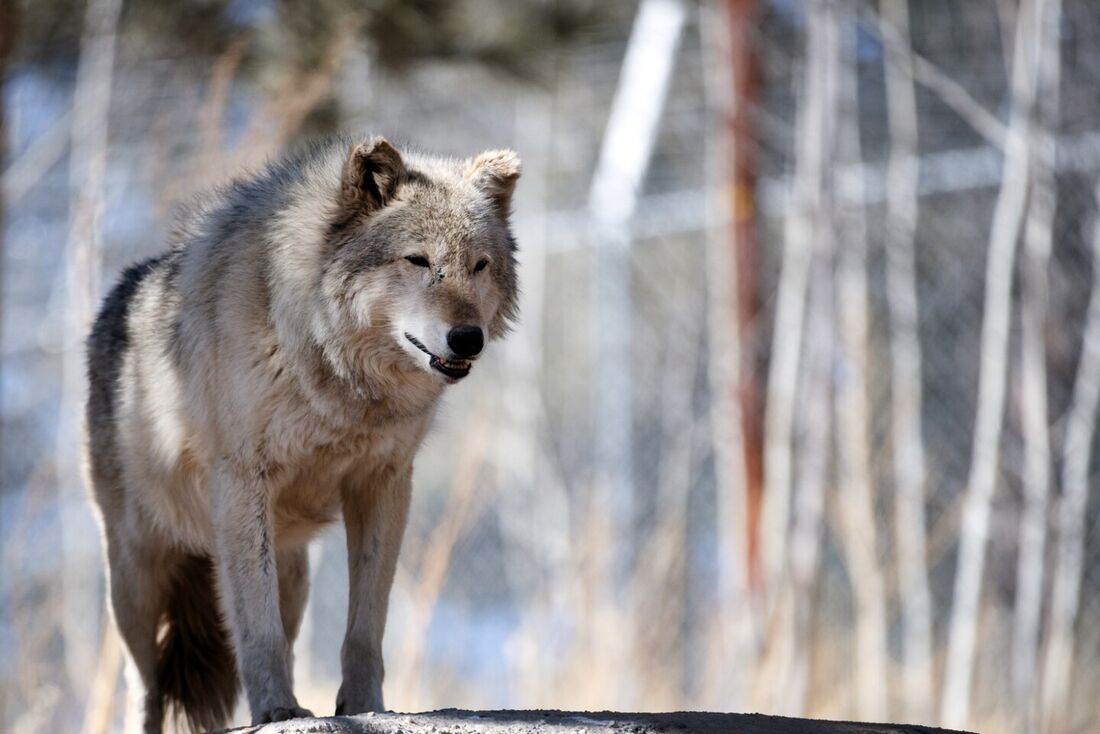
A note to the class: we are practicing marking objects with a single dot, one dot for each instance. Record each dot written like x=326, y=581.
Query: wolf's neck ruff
x=278, y=367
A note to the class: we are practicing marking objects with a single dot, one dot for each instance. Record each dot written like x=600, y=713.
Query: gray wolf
x=275, y=369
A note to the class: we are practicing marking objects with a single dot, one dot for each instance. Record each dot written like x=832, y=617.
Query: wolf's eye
x=481, y=265
x=418, y=260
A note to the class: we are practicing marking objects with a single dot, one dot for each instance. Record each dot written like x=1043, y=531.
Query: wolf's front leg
x=248, y=577
x=375, y=510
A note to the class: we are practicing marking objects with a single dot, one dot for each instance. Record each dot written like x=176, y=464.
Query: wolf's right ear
x=495, y=172
x=371, y=174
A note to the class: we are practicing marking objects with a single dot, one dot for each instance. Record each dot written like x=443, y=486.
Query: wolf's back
x=110, y=339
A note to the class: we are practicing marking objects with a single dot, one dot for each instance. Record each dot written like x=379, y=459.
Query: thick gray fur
x=275, y=369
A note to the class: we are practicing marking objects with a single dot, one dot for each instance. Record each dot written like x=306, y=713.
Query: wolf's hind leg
x=137, y=603
x=293, y=565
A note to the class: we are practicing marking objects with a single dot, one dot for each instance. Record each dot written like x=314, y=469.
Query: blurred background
x=800, y=415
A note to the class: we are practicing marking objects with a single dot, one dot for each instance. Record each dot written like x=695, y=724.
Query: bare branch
x=36, y=161
x=954, y=95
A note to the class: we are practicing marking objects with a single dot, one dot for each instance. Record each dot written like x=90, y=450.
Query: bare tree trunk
x=855, y=499
x=781, y=682
x=659, y=590
x=9, y=19
x=532, y=503
x=816, y=119
x=974, y=530
x=1069, y=545
x=625, y=153
x=1038, y=234
x=88, y=171
x=812, y=480
x=464, y=505
x=902, y=201
x=99, y=710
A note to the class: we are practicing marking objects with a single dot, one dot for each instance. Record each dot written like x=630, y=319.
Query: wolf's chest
x=310, y=497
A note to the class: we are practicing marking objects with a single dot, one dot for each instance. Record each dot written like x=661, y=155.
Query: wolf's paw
x=282, y=714
x=358, y=699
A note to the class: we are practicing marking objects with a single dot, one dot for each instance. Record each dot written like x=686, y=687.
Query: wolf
x=276, y=369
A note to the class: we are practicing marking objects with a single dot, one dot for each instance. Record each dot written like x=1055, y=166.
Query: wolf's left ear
x=495, y=172
x=371, y=174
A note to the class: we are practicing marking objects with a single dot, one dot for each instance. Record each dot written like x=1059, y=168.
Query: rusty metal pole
x=744, y=75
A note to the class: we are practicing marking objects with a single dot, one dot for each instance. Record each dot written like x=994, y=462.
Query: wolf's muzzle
x=454, y=369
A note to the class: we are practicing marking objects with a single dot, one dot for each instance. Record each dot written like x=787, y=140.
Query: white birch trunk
x=902, y=202
x=809, y=238
x=781, y=678
x=996, y=316
x=625, y=153
x=1069, y=545
x=816, y=113
x=659, y=589
x=855, y=497
x=88, y=172
x=532, y=504
x=1038, y=235
x=812, y=480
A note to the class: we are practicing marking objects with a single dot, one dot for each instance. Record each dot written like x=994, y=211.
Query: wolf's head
x=420, y=250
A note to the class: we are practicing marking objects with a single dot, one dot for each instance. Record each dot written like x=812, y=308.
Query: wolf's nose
x=466, y=341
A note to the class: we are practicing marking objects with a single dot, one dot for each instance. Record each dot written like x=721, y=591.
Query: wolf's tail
x=196, y=670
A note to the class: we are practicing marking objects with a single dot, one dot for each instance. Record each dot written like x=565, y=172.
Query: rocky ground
x=454, y=721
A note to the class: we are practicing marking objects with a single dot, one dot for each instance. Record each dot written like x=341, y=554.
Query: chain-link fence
x=747, y=438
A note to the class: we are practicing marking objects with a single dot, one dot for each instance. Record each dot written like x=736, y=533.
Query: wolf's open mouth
x=455, y=369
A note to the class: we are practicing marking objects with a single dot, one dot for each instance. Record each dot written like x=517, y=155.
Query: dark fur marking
x=369, y=255
x=370, y=187
x=110, y=337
